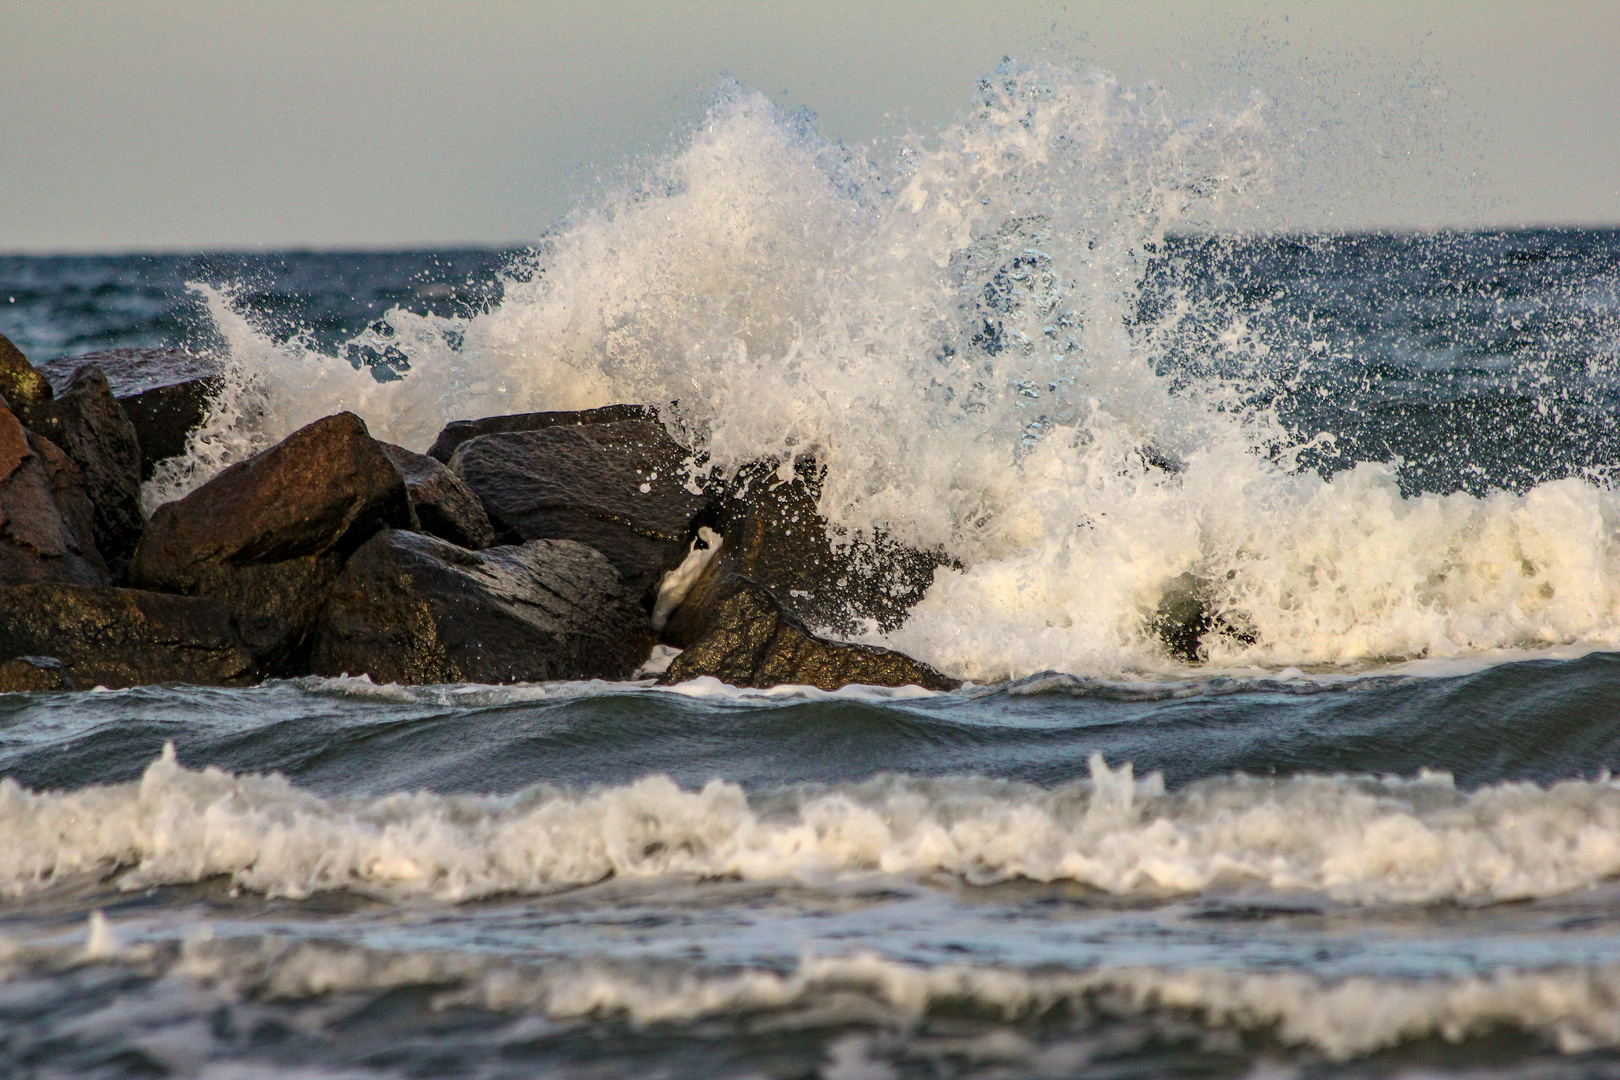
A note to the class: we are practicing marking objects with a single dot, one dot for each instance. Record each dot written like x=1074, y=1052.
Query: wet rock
x=164, y=393
x=459, y=431
x=618, y=486
x=47, y=523
x=269, y=535
x=1188, y=611
x=112, y=637
x=441, y=505
x=99, y=438
x=26, y=391
x=772, y=533
x=754, y=641
x=416, y=609
x=33, y=674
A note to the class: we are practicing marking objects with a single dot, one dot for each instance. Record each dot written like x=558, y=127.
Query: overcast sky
x=167, y=124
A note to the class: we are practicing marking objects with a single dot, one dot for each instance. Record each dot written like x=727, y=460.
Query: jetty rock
x=459, y=431
x=618, y=485
x=104, y=636
x=410, y=608
x=754, y=641
x=26, y=391
x=34, y=674
x=268, y=536
x=772, y=533
x=98, y=436
x=164, y=392
x=47, y=522
x=441, y=505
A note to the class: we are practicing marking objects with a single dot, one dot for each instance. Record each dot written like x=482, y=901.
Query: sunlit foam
x=952, y=331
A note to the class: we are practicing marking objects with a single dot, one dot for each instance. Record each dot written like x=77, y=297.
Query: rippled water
x=1375, y=834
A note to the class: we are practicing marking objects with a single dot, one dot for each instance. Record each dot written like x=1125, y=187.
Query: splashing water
x=955, y=334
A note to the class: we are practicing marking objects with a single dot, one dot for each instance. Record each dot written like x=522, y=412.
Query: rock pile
x=528, y=547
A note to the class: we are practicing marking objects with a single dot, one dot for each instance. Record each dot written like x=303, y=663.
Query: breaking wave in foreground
x=1355, y=840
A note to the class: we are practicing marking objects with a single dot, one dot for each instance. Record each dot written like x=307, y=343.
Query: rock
x=1188, y=610
x=164, y=393
x=26, y=391
x=33, y=674
x=416, y=609
x=269, y=535
x=47, y=523
x=441, y=505
x=99, y=438
x=134, y=371
x=772, y=533
x=459, y=431
x=124, y=637
x=164, y=416
x=754, y=641
x=618, y=486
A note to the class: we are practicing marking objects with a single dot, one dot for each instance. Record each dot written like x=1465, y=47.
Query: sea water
x=1368, y=830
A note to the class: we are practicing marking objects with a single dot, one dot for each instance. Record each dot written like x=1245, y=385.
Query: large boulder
x=459, y=431
x=104, y=636
x=269, y=535
x=47, y=523
x=99, y=438
x=165, y=393
x=753, y=641
x=416, y=609
x=772, y=533
x=618, y=486
x=441, y=505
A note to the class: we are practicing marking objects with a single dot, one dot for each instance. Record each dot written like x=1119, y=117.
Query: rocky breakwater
x=521, y=548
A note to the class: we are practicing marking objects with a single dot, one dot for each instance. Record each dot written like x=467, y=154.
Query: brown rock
x=416, y=609
x=112, y=637
x=618, y=486
x=99, y=438
x=25, y=391
x=34, y=674
x=47, y=523
x=754, y=641
x=268, y=535
x=441, y=505
x=459, y=431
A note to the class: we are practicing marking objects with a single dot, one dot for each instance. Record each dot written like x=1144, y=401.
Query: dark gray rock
x=34, y=674
x=619, y=486
x=459, y=431
x=47, y=523
x=441, y=505
x=123, y=637
x=164, y=417
x=772, y=533
x=164, y=392
x=753, y=641
x=99, y=438
x=416, y=609
x=269, y=535
x=1189, y=610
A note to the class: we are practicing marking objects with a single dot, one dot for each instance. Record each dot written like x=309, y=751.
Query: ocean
x=1366, y=827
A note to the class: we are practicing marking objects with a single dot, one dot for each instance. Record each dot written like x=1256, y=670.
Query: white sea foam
x=1571, y=1007
x=1355, y=840
x=776, y=294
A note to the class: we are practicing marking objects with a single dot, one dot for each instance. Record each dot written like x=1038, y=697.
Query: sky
x=150, y=125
